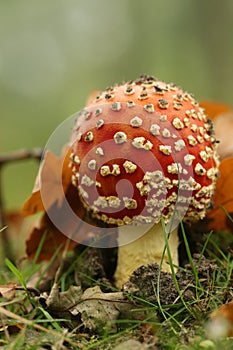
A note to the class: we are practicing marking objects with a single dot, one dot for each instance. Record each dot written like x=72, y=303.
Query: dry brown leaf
x=58, y=302
x=53, y=241
x=8, y=291
x=54, y=238
x=33, y=204
x=54, y=170
x=96, y=309
x=223, y=199
x=14, y=219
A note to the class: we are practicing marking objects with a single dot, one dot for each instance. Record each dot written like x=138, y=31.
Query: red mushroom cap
x=141, y=150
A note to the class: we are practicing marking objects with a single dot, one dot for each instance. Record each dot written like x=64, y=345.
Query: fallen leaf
x=222, y=115
x=214, y=108
x=225, y=311
x=221, y=321
x=33, y=204
x=220, y=216
x=54, y=172
x=97, y=310
x=54, y=241
x=222, y=199
x=8, y=291
x=14, y=219
x=58, y=302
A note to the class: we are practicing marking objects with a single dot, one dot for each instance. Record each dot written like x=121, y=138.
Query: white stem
x=146, y=249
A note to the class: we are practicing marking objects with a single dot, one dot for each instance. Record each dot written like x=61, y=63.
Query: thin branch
x=26, y=322
x=20, y=155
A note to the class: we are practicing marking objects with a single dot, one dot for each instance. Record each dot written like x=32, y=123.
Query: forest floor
x=71, y=302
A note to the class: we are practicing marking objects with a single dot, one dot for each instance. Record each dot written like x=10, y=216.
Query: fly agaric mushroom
x=143, y=152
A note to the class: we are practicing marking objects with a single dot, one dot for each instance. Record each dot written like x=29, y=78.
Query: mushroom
x=144, y=158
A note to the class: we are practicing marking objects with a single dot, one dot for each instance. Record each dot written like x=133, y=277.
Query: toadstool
x=143, y=154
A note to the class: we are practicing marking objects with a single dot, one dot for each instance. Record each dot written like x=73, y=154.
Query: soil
x=188, y=295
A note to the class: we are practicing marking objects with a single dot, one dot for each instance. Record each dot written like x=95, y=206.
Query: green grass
x=27, y=324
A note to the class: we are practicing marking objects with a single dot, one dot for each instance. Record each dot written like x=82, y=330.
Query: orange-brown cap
x=142, y=150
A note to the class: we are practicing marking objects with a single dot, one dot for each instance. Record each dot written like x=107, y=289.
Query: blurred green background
x=54, y=53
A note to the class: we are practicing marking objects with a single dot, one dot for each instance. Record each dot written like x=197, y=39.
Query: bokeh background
x=54, y=53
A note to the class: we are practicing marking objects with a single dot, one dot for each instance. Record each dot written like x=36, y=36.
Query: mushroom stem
x=147, y=249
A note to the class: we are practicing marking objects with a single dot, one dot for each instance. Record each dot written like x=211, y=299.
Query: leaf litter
x=96, y=310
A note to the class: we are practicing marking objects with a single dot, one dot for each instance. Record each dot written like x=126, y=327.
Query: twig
x=4, y=160
x=6, y=248
x=20, y=155
x=38, y=327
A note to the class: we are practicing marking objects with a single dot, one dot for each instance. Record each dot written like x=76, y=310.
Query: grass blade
x=16, y=272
